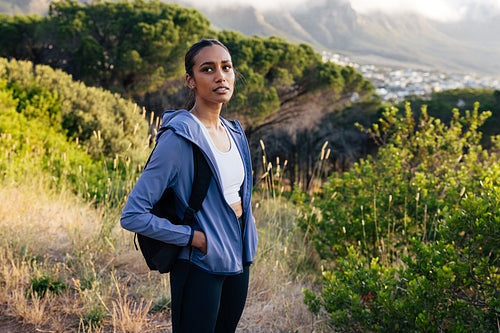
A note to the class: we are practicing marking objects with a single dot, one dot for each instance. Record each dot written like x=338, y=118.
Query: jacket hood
x=183, y=123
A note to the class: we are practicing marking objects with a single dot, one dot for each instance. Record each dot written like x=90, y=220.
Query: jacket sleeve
x=160, y=173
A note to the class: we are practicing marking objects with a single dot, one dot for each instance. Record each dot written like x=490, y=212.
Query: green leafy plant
x=93, y=318
x=34, y=135
x=43, y=284
x=419, y=175
x=411, y=236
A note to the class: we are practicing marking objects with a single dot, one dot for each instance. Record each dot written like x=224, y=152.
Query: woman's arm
x=161, y=172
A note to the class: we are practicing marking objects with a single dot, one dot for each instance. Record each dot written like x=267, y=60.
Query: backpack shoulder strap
x=201, y=182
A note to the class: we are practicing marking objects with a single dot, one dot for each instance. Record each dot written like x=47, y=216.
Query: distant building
x=395, y=84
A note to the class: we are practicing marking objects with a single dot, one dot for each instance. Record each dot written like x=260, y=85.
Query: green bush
x=41, y=285
x=104, y=123
x=419, y=175
x=411, y=236
x=464, y=99
x=34, y=144
x=449, y=285
x=94, y=318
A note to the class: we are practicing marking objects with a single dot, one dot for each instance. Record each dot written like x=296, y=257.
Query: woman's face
x=213, y=76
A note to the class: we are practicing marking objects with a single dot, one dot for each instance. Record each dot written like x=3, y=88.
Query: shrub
x=105, y=124
x=448, y=285
x=411, y=236
x=418, y=177
x=37, y=139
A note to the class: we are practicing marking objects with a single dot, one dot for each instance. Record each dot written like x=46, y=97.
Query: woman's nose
x=220, y=75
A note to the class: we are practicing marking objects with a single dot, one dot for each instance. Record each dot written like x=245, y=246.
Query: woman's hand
x=199, y=241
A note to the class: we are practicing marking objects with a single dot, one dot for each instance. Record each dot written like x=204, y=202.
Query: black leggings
x=204, y=302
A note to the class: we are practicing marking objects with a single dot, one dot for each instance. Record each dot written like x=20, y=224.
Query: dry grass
x=32, y=311
x=45, y=222
x=109, y=288
x=275, y=301
x=128, y=315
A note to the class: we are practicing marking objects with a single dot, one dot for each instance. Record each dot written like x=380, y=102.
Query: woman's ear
x=190, y=81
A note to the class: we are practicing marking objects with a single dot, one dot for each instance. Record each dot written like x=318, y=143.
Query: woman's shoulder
x=171, y=140
x=232, y=124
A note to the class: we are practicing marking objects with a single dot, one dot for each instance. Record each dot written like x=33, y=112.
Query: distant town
x=394, y=84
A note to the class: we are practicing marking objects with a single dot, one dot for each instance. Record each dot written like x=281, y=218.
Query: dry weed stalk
x=32, y=310
x=14, y=275
x=127, y=315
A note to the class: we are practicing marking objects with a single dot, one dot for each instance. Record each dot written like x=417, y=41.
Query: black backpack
x=161, y=256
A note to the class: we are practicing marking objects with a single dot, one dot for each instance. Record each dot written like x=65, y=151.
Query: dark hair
x=189, y=61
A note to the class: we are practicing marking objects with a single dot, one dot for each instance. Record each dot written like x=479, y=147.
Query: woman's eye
x=206, y=69
x=227, y=67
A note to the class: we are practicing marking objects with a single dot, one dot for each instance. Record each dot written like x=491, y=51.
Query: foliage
x=412, y=235
x=22, y=36
x=442, y=286
x=33, y=143
x=462, y=99
x=93, y=319
x=46, y=283
x=134, y=47
x=418, y=176
x=276, y=70
x=103, y=122
x=124, y=46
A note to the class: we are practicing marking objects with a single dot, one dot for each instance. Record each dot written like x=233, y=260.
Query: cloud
x=442, y=10
x=259, y=4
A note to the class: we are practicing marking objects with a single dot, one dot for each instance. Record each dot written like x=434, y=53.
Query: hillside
x=289, y=94
x=405, y=240
x=66, y=265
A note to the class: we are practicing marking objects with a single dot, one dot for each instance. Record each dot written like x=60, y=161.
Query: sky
x=443, y=10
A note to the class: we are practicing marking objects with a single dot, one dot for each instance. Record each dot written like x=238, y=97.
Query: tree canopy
x=128, y=47
x=277, y=71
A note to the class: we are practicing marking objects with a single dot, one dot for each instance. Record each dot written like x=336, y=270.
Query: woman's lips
x=221, y=90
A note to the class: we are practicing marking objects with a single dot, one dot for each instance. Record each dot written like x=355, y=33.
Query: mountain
x=404, y=39
x=39, y=7
x=407, y=39
x=417, y=40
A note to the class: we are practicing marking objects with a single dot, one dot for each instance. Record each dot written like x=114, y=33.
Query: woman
x=209, y=281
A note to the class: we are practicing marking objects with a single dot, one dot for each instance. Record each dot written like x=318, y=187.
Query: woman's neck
x=209, y=117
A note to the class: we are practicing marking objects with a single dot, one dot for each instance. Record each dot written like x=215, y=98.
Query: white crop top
x=230, y=167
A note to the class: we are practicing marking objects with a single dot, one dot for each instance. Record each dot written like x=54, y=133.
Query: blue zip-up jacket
x=171, y=165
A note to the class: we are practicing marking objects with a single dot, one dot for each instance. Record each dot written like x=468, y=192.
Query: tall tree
x=127, y=46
